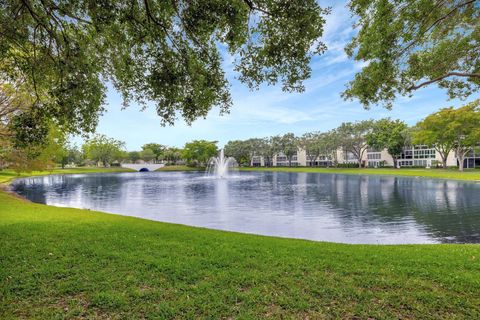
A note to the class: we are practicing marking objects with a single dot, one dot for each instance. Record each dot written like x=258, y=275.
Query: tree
x=147, y=155
x=353, y=137
x=238, y=149
x=103, y=149
x=331, y=143
x=451, y=129
x=200, y=151
x=133, y=156
x=311, y=143
x=13, y=100
x=75, y=156
x=431, y=132
x=389, y=134
x=406, y=45
x=466, y=130
x=56, y=147
x=317, y=144
x=153, y=50
x=268, y=148
x=289, y=146
x=172, y=154
x=158, y=150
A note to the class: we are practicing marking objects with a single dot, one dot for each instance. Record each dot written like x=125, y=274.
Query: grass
x=424, y=173
x=9, y=175
x=62, y=263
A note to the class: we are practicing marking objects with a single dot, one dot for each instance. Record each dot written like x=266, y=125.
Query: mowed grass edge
x=452, y=174
x=71, y=263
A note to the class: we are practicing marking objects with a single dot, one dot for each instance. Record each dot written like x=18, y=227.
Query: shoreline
x=5, y=187
x=470, y=176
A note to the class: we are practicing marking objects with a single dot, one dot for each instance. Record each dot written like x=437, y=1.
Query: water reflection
x=340, y=208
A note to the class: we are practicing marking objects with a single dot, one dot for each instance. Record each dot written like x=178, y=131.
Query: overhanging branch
x=437, y=21
x=253, y=7
x=450, y=74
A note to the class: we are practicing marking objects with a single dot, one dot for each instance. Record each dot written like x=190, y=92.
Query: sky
x=269, y=111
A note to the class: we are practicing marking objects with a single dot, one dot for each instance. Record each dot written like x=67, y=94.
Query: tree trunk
x=359, y=162
x=395, y=161
x=444, y=163
x=460, y=157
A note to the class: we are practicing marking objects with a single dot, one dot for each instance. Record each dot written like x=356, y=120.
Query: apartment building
x=472, y=160
x=414, y=156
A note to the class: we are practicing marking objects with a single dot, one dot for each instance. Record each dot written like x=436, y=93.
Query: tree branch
x=449, y=74
x=161, y=25
x=434, y=24
x=252, y=7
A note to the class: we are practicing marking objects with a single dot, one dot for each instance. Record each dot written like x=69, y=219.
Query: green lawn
x=9, y=175
x=426, y=173
x=60, y=263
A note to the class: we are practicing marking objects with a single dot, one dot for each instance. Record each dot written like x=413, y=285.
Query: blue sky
x=269, y=111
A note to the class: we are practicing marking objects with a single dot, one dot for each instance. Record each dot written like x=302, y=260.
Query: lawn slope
x=71, y=263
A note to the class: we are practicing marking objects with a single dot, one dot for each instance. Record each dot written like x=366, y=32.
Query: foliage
x=103, y=149
x=172, y=154
x=311, y=143
x=56, y=147
x=133, y=156
x=268, y=148
x=157, y=149
x=240, y=150
x=199, y=151
x=319, y=145
x=288, y=144
x=451, y=129
x=5, y=150
x=409, y=44
x=29, y=129
x=352, y=137
x=75, y=156
x=27, y=160
x=392, y=135
x=147, y=155
x=167, y=52
x=243, y=150
x=13, y=101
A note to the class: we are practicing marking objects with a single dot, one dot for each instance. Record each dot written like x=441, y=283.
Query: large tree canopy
x=392, y=135
x=165, y=51
x=451, y=129
x=410, y=44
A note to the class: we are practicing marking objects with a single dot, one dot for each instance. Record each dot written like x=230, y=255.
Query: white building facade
x=414, y=156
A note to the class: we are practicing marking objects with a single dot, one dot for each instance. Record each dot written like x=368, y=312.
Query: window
x=420, y=163
x=405, y=163
x=424, y=154
x=374, y=156
x=374, y=163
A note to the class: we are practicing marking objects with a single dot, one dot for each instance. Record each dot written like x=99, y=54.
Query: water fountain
x=221, y=165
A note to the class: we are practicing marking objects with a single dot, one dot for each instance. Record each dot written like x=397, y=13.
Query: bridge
x=143, y=166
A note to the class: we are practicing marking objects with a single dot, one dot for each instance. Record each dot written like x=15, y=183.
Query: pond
x=325, y=207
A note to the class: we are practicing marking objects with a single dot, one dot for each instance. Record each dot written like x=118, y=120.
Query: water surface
x=327, y=207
